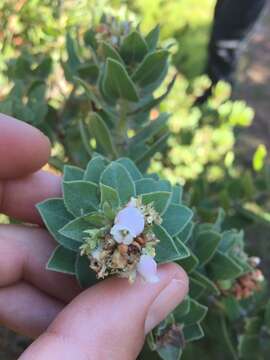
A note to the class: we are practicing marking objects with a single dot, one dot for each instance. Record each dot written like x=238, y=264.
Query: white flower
x=122, y=234
x=131, y=218
x=147, y=268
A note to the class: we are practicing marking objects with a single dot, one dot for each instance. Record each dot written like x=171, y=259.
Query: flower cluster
x=127, y=246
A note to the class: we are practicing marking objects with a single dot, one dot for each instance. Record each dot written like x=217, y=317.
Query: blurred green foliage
x=39, y=69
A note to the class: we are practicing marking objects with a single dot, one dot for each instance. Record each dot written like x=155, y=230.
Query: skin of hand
x=108, y=321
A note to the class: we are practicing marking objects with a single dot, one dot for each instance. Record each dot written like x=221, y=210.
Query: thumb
x=110, y=320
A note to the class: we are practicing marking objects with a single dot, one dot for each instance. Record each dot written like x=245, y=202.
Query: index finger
x=23, y=148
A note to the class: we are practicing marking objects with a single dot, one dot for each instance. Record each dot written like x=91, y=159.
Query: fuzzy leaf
x=186, y=233
x=101, y=133
x=190, y=263
x=176, y=218
x=193, y=332
x=72, y=173
x=152, y=38
x=151, y=68
x=145, y=186
x=85, y=276
x=117, y=84
x=206, y=244
x=196, y=288
x=182, y=249
x=109, y=195
x=222, y=267
x=76, y=228
x=110, y=52
x=62, y=260
x=166, y=250
x=151, y=129
x=134, y=172
x=80, y=197
x=158, y=199
x=95, y=168
x=157, y=146
x=133, y=48
x=73, y=58
x=205, y=281
x=117, y=177
x=182, y=310
x=196, y=313
x=249, y=347
x=177, y=192
x=55, y=216
x=89, y=72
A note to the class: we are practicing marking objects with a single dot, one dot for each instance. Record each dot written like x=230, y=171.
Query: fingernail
x=165, y=302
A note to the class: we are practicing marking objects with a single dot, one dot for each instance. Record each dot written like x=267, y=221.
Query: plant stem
x=227, y=338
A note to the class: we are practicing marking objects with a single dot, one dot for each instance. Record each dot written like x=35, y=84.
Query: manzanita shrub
x=116, y=218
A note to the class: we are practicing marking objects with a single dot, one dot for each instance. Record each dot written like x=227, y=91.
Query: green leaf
x=196, y=288
x=150, y=70
x=133, y=48
x=157, y=146
x=176, y=218
x=206, y=245
x=110, y=52
x=182, y=248
x=85, y=276
x=190, y=263
x=196, y=313
x=151, y=129
x=177, y=192
x=88, y=91
x=249, y=347
x=89, y=72
x=222, y=267
x=232, y=308
x=117, y=84
x=182, y=310
x=166, y=250
x=62, y=260
x=159, y=200
x=101, y=133
x=206, y=282
x=144, y=186
x=73, y=58
x=134, y=172
x=267, y=315
x=76, y=228
x=152, y=38
x=72, y=173
x=109, y=195
x=186, y=233
x=117, y=177
x=95, y=168
x=80, y=197
x=193, y=332
x=55, y=215
x=154, y=102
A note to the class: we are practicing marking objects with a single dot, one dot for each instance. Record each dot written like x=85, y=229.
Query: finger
x=110, y=320
x=18, y=197
x=24, y=252
x=27, y=310
x=23, y=148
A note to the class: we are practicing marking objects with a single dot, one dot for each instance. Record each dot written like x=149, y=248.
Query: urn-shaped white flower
x=147, y=268
x=129, y=223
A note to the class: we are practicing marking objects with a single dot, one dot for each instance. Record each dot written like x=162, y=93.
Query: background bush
x=39, y=63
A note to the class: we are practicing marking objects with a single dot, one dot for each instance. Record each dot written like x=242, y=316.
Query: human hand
x=108, y=321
